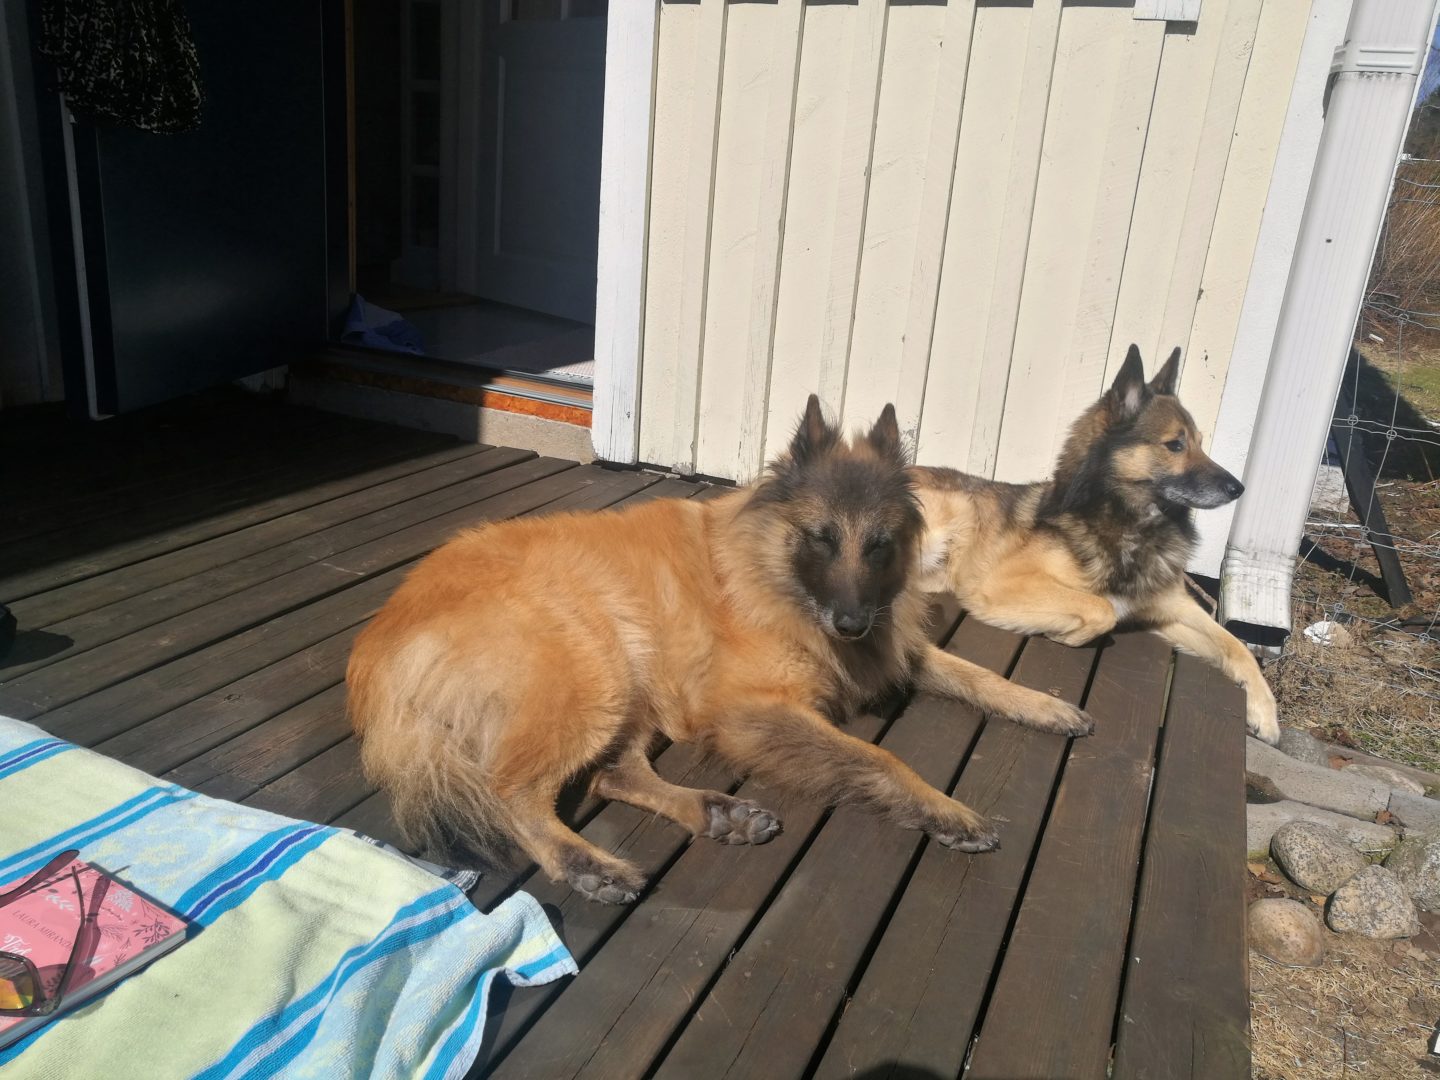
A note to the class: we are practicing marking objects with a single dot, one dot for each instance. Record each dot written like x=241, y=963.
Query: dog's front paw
x=1261, y=719
x=739, y=821
x=970, y=839
x=1061, y=717
x=614, y=882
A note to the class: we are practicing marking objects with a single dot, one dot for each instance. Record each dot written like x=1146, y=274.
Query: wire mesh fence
x=1363, y=664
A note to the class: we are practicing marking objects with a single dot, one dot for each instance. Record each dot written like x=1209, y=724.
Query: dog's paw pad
x=739, y=821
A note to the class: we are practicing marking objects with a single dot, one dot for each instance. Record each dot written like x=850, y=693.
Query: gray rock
x=1286, y=932
x=1315, y=785
x=1394, y=779
x=1416, y=864
x=1263, y=819
x=1373, y=903
x=1415, y=812
x=1302, y=746
x=1315, y=857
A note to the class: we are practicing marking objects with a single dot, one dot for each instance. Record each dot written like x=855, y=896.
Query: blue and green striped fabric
x=311, y=952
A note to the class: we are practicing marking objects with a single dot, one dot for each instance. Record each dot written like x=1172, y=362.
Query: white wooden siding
x=967, y=209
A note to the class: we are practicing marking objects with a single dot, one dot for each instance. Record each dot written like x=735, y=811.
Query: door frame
x=630, y=48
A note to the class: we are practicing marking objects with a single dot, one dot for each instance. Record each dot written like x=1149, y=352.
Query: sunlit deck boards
x=187, y=595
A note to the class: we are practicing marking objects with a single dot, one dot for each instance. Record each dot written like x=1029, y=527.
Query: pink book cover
x=41, y=925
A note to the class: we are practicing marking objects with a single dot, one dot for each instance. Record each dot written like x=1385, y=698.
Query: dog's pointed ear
x=814, y=435
x=885, y=436
x=1168, y=377
x=1127, y=392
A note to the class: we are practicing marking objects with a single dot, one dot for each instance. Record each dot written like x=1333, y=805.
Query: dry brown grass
x=1406, y=272
x=1367, y=1011
x=1380, y=694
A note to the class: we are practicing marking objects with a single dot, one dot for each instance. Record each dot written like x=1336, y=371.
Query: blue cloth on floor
x=376, y=328
x=311, y=952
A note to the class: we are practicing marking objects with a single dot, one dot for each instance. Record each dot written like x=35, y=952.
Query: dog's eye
x=821, y=539
x=878, y=550
x=1175, y=445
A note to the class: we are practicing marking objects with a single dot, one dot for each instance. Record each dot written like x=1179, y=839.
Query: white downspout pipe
x=1370, y=103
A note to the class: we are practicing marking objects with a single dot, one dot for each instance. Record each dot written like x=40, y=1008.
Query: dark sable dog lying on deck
x=1106, y=540
x=525, y=653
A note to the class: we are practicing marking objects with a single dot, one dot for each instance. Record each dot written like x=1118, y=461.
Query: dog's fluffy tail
x=423, y=742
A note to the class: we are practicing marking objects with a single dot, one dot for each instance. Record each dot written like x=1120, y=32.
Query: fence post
x=1375, y=77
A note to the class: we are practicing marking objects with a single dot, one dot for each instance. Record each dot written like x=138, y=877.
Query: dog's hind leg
x=564, y=855
x=798, y=748
x=1035, y=603
x=632, y=779
x=941, y=673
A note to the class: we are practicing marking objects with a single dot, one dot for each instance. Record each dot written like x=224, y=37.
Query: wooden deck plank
x=1186, y=1005
x=351, y=497
x=254, y=499
x=915, y=1006
x=261, y=755
x=152, y=692
x=68, y=444
x=196, y=458
x=320, y=790
x=273, y=466
x=501, y=494
x=191, y=579
x=373, y=817
x=1082, y=885
x=63, y=450
x=232, y=711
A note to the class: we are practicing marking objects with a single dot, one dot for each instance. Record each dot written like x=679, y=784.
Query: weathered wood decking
x=188, y=584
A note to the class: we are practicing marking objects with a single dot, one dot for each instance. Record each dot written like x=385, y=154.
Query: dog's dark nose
x=851, y=624
x=1233, y=488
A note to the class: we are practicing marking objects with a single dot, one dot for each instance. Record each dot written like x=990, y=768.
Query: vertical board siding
x=687, y=96
x=1274, y=64
x=835, y=97
x=913, y=101
x=967, y=208
x=1093, y=139
x=1032, y=107
x=751, y=167
x=972, y=237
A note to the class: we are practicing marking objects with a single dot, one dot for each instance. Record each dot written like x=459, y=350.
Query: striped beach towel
x=311, y=953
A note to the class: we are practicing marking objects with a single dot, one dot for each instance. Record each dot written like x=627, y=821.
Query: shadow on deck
x=188, y=583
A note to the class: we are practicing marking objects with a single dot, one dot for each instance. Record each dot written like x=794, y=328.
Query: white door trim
x=630, y=39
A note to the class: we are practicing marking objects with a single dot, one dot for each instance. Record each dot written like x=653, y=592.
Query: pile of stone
x=1365, y=837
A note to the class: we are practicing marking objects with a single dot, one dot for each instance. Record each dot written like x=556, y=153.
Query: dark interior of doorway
x=399, y=125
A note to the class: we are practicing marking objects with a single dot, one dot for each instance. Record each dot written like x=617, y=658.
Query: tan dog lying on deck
x=525, y=653
x=1106, y=540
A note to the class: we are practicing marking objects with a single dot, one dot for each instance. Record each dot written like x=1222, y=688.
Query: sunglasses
x=22, y=993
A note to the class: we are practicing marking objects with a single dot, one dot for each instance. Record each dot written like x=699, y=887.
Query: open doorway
x=477, y=135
